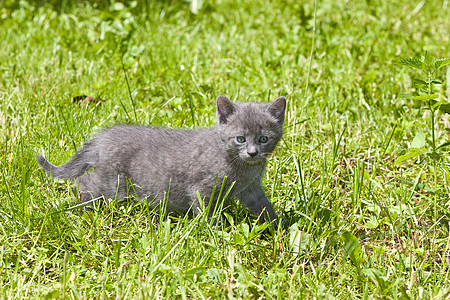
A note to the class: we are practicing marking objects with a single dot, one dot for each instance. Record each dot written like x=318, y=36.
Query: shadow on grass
x=64, y=5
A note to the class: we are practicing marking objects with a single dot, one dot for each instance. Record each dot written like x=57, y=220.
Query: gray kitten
x=149, y=162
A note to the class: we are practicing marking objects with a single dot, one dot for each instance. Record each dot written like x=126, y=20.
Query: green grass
x=360, y=226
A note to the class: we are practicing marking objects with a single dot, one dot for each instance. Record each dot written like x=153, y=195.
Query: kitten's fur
x=186, y=160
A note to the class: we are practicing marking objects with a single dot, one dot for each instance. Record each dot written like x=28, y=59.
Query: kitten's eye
x=263, y=139
x=240, y=139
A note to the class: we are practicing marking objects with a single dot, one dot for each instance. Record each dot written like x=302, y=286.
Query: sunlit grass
x=358, y=225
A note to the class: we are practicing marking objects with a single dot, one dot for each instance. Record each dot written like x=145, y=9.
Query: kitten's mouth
x=253, y=160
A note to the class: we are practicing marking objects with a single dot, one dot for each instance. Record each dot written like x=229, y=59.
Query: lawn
x=365, y=195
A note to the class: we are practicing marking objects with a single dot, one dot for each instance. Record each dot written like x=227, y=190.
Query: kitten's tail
x=83, y=160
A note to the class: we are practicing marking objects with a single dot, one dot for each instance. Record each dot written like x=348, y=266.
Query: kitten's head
x=250, y=130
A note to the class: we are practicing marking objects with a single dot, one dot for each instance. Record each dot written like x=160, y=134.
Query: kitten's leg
x=256, y=201
x=88, y=190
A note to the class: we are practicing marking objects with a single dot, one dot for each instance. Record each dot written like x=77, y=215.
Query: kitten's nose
x=252, y=151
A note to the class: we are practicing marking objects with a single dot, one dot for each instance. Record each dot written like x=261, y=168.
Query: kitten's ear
x=277, y=109
x=225, y=108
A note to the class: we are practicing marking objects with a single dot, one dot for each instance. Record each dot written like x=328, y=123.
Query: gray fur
x=188, y=160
